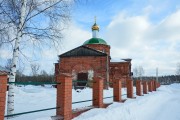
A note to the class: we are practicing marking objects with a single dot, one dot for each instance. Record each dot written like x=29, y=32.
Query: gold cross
x=95, y=19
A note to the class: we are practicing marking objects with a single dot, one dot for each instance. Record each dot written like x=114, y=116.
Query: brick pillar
x=150, y=86
x=138, y=88
x=158, y=85
x=3, y=88
x=98, y=92
x=145, y=87
x=152, y=83
x=129, y=89
x=64, y=96
x=155, y=85
x=117, y=90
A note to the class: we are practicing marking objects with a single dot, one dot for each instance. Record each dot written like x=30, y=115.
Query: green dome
x=95, y=41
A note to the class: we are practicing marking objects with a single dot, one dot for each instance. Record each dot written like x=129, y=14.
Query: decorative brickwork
x=3, y=88
x=64, y=96
x=117, y=90
x=138, y=88
x=145, y=91
x=98, y=92
x=129, y=89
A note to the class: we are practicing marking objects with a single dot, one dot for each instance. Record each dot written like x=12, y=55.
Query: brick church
x=92, y=59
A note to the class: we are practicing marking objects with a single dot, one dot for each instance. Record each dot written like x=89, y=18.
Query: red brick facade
x=75, y=65
x=94, y=66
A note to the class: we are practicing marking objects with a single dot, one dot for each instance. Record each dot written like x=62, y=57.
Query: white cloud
x=149, y=45
x=74, y=36
x=167, y=29
x=5, y=54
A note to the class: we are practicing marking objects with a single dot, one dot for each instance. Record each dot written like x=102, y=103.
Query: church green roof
x=95, y=41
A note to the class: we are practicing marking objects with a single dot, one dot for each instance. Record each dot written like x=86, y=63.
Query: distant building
x=93, y=59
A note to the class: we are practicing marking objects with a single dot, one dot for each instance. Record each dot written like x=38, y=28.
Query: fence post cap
x=65, y=74
x=98, y=77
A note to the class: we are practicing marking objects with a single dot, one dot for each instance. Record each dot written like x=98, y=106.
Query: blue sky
x=105, y=10
x=148, y=31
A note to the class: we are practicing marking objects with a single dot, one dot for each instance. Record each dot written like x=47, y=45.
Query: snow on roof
x=117, y=60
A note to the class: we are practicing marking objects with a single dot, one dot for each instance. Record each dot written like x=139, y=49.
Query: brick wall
x=3, y=88
x=120, y=70
x=76, y=65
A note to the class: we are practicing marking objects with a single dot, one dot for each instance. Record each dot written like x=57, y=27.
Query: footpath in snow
x=164, y=104
x=161, y=105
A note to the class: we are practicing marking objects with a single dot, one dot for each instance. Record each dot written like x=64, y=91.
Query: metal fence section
x=34, y=111
x=32, y=83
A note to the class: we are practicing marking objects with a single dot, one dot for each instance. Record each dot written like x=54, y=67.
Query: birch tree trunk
x=10, y=103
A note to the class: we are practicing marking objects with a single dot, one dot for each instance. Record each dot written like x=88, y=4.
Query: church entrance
x=82, y=78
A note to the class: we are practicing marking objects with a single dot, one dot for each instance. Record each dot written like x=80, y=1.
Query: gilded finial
x=95, y=26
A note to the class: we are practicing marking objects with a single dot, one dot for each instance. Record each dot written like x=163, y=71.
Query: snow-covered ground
x=164, y=104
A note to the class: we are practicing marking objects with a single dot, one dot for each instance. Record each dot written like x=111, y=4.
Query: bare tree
x=138, y=72
x=30, y=21
x=20, y=70
x=35, y=68
x=141, y=72
x=43, y=73
x=178, y=69
x=8, y=64
x=135, y=72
